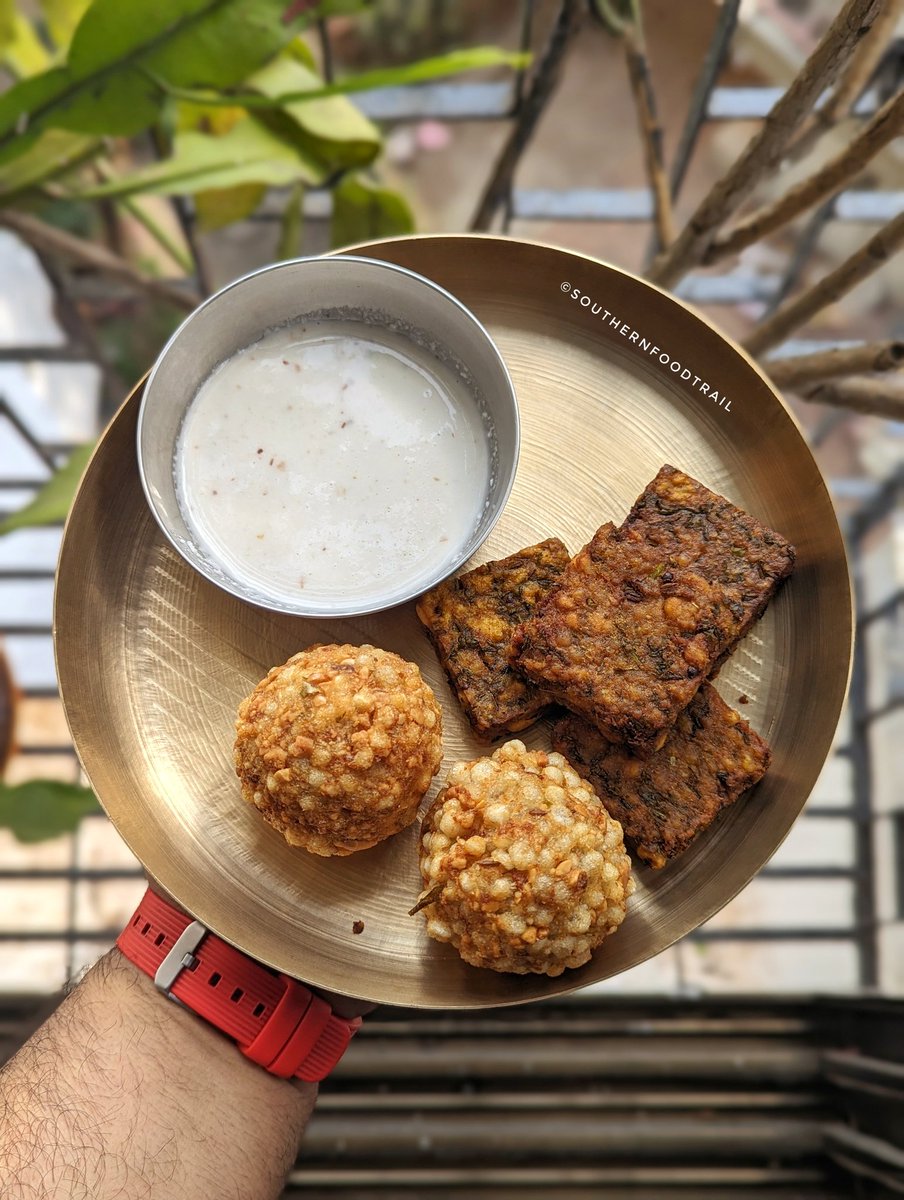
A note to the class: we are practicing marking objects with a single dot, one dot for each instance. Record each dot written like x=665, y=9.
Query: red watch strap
x=276, y=1021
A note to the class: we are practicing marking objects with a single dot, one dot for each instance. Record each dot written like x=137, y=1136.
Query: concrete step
x=554, y=1136
x=722, y=1182
x=770, y=1060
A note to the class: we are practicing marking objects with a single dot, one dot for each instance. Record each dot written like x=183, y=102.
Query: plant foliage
x=44, y=808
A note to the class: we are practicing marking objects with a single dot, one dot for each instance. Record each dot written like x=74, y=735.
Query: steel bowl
x=347, y=287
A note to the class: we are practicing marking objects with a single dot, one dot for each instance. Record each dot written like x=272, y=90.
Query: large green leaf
x=53, y=154
x=331, y=129
x=248, y=153
x=363, y=211
x=107, y=85
x=53, y=501
x=218, y=207
x=44, y=808
x=422, y=71
x=202, y=118
x=20, y=47
x=62, y=17
x=7, y=20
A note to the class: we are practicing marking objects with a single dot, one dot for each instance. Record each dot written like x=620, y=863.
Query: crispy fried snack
x=523, y=868
x=337, y=747
x=471, y=620
x=710, y=757
x=646, y=612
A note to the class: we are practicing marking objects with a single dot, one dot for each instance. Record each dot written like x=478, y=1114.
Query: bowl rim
x=358, y=608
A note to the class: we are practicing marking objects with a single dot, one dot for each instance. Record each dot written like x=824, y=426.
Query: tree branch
x=78, y=328
x=716, y=54
x=800, y=369
x=854, y=81
x=650, y=133
x=829, y=179
x=49, y=239
x=766, y=148
x=875, y=397
x=532, y=106
x=861, y=264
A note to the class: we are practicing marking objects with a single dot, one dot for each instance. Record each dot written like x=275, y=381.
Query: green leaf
x=108, y=84
x=7, y=21
x=422, y=71
x=20, y=47
x=291, y=225
x=301, y=52
x=217, y=207
x=62, y=17
x=248, y=153
x=52, y=155
x=363, y=211
x=331, y=130
x=54, y=500
x=44, y=808
x=201, y=118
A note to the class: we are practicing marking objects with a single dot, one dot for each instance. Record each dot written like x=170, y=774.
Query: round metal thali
x=153, y=660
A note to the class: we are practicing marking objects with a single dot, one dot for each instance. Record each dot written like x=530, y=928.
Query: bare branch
x=861, y=264
x=50, y=240
x=716, y=54
x=854, y=81
x=766, y=148
x=541, y=88
x=651, y=134
x=800, y=369
x=829, y=179
x=875, y=397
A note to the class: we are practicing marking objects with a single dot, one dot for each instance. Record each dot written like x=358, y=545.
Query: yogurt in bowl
x=328, y=437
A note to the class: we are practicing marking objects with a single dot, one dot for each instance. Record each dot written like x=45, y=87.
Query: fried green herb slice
x=471, y=621
x=663, y=802
x=644, y=613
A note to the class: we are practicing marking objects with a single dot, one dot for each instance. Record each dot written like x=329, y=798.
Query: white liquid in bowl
x=324, y=465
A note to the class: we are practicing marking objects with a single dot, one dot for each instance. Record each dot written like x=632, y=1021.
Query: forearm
x=123, y=1094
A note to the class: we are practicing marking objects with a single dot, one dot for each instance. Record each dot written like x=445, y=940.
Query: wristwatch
x=274, y=1020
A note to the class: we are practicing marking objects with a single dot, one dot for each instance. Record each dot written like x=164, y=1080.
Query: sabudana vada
x=337, y=747
x=523, y=868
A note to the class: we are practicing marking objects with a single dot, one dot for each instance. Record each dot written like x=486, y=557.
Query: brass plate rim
x=686, y=305
x=534, y=986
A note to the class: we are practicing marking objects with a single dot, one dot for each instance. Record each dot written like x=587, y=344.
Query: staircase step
x=572, y=1022
x=571, y=1183
x=613, y=1099
x=377, y=1137
x=772, y=1060
x=425, y=1189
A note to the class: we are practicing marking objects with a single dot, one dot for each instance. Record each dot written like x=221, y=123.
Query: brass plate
x=153, y=660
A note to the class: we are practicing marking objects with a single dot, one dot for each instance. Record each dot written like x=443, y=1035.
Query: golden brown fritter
x=523, y=868
x=471, y=620
x=711, y=757
x=645, y=612
x=337, y=747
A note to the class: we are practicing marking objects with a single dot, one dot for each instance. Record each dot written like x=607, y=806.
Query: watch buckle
x=180, y=955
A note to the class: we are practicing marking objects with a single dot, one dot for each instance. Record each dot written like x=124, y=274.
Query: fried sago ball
x=337, y=747
x=523, y=868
